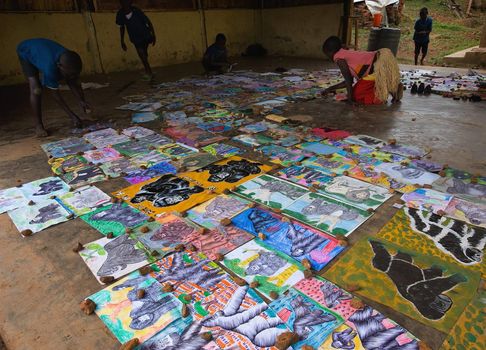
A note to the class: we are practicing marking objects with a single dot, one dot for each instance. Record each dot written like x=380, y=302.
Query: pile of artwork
x=209, y=247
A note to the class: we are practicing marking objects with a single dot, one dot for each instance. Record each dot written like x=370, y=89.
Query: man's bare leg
x=35, y=103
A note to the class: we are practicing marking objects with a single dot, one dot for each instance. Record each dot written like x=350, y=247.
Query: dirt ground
x=42, y=281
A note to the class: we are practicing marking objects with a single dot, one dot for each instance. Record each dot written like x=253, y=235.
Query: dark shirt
x=44, y=54
x=420, y=26
x=215, y=54
x=137, y=26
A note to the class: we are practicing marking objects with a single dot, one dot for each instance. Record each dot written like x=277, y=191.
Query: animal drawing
x=329, y=212
x=374, y=335
x=189, y=339
x=197, y=273
x=261, y=331
x=168, y=190
x=48, y=187
x=47, y=213
x=471, y=189
x=354, y=193
x=174, y=231
x=147, y=311
x=120, y=253
x=231, y=172
x=120, y=213
x=223, y=207
x=85, y=174
x=369, y=141
x=333, y=295
x=456, y=238
x=266, y=264
x=302, y=244
x=424, y=288
x=344, y=339
x=408, y=172
x=264, y=193
x=306, y=317
x=475, y=214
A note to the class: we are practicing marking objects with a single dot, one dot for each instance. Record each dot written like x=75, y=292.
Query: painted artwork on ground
x=164, y=194
x=195, y=161
x=105, y=138
x=282, y=155
x=319, y=148
x=222, y=149
x=141, y=175
x=84, y=200
x=226, y=174
x=44, y=189
x=289, y=141
x=255, y=261
x=426, y=165
x=66, y=147
x=422, y=287
x=115, y=257
x=430, y=234
x=365, y=328
x=271, y=191
x=149, y=159
x=133, y=148
x=137, y=132
x=84, y=176
x=405, y=150
x=474, y=214
x=253, y=140
x=468, y=334
x=11, y=198
x=407, y=174
x=193, y=136
x=144, y=117
x=473, y=192
x=427, y=199
x=355, y=192
x=369, y=173
x=296, y=240
x=304, y=176
x=336, y=164
x=114, y=218
x=177, y=150
x=129, y=317
x=39, y=216
x=327, y=214
x=374, y=154
x=365, y=140
x=312, y=322
x=255, y=128
x=464, y=176
x=118, y=167
x=210, y=213
x=102, y=155
x=214, y=126
x=141, y=106
x=66, y=164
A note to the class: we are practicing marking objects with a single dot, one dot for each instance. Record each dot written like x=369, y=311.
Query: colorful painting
x=84, y=176
x=141, y=106
x=210, y=213
x=312, y=322
x=422, y=287
x=114, y=257
x=137, y=132
x=133, y=148
x=368, y=173
x=118, y=167
x=149, y=159
x=281, y=155
x=129, y=317
x=327, y=214
x=44, y=189
x=255, y=128
x=407, y=174
x=255, y=261
x=11, y=198
x=365, y=328
x=155, y=170
x=222, y=149
x=66, y=147
x=427, y=199
x=114, y=218
x=271, y=191
x=163, y=194
x=39, y=216
x=450, y=240
x=66, y=164
x=296, y=240
x=304, y=176
x=334, y=165
x=144, y=117
x=330, y=134
x=405, y=150
x=105, y=138
x=289, y=141
x=214, y=126
x=426, y=165
x=473, y=192
x=464, y=176
x=177, y=150
x=226, y=174
x=319, y=148
x=473, y=213
x=195, y=161
x=365, y=140
x=375, y=154
x=193, y=136
x=84, y=200
x=253, y=140
x=102, y=155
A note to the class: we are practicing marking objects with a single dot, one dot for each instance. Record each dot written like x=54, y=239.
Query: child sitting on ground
x=215, y=59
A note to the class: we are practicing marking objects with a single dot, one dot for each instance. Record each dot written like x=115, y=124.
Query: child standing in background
x=423, y=27
x=140, y=31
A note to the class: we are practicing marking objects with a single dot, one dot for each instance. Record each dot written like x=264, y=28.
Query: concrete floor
x=42, y=281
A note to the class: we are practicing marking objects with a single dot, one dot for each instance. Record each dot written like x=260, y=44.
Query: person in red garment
x=369, y=76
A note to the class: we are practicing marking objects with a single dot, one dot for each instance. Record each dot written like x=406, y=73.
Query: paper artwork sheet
x=141, y=175
x=253, y=140
x=144, y=117
x=43, y=189
x=39, y=216
x=319, y=148
x=472, y=192
x=66, y=147
x=427, y=199
x=472, y=213
x=222, y=149
x=102, y=155
x=149, y=159
x=334, y=165
x=177, y=150
x=105, y=138
x=118, y=167
x=84, y=176
x=365, y=140
x=369, y=173
x=304, y=176
x=11, y=198
x=137, y=132
x=84, y=200
x=406, y=174
x=66, y=164
x=281, y=155
x=405, y=150
x=193, y=136
x=195, y=161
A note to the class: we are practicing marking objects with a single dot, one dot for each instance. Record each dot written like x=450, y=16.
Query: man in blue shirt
x=54, y=62
x=423, y=27
x=215, y=58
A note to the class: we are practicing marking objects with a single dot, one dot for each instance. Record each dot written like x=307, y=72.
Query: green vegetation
x=449, y=34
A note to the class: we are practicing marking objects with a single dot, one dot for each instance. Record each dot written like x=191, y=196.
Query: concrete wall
x=300, y=31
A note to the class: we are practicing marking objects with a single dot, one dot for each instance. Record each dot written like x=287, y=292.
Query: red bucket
x=377, y=18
